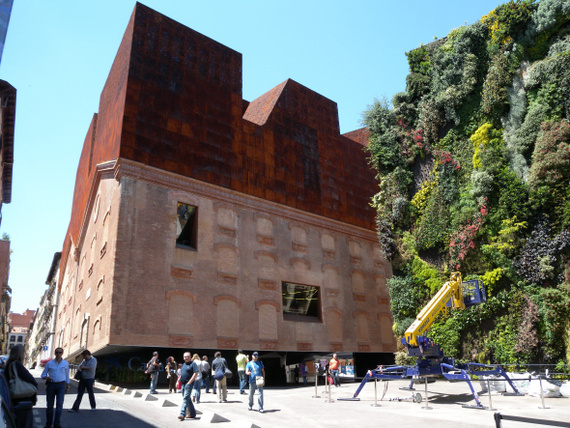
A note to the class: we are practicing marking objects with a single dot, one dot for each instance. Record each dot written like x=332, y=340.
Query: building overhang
x=7, y=125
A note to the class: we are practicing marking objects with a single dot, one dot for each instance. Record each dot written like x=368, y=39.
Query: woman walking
x=198, y=381
x=24, y=418
x=171, y=374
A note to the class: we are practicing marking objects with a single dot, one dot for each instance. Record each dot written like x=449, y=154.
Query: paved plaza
x=297, y=406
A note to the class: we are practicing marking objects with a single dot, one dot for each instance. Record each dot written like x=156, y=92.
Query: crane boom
x=451, y=290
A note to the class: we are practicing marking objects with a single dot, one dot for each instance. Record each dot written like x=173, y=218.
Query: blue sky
x=58, y=55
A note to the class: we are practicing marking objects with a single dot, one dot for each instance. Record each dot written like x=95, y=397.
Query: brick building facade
x=201, y=220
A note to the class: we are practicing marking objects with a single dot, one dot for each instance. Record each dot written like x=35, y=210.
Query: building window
x=12, y=338
x=186, y=226
x=301, y=302
x=20, y=338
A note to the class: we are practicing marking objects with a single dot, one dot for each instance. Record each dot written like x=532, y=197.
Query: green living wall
x=473, y=164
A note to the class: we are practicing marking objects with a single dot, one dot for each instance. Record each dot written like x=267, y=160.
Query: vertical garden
x=473, y=164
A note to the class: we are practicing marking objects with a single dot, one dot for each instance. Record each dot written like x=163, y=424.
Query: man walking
x=87, y=368
x=188, y=374
x=56, y=375
x=153, y=369
x=334, y=366
x=241, y=361
x=220, y=364
x=253, y=369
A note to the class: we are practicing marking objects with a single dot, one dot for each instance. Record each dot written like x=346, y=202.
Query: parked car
x=44, y=362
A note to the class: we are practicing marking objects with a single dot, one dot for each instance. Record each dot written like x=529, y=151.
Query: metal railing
x=498, y=417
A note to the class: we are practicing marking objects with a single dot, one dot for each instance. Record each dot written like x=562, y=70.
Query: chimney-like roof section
x=359, y=135
x=259, y=109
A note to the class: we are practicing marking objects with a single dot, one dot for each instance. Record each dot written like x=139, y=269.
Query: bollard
x=489, y=391
x=316, y=386
x=375, y=394
x=427, y=407
x=541, y=395
x=330, y=400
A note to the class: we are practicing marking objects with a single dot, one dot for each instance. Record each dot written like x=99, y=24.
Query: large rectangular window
x=186, y=226
x=301, y=302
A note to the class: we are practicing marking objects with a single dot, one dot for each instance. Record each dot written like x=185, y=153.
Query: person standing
x=213, y=385
x=87, y=368
x=171, y=374
x=218, y=364
x=24, y=418
x=334, y=367
x=153, y=369
x=255, y=368
x=206, y=373
x=56, y=375
x=304, y=372
x=187, y=376
x=241, y=361
x=296, y=372
x=197, y=386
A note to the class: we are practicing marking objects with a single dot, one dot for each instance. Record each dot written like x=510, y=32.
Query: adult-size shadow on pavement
x=97, y=418
x=85, y=418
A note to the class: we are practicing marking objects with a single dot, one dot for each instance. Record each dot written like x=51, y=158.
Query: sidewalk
x=295, y=406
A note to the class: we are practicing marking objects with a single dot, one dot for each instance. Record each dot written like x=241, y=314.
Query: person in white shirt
x=56, y=375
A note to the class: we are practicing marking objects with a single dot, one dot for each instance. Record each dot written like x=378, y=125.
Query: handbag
x=219, y=374
x=259, y=380
x=20, y=388
x=228, y=373
x=78, y=375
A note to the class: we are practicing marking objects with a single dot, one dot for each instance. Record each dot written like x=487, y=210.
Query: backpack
x=150, y=367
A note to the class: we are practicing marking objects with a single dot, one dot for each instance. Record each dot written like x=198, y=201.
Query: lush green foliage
x=473, y=165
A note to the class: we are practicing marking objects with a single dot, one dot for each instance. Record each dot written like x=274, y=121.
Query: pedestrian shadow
x=98, y=418
x=72, y=388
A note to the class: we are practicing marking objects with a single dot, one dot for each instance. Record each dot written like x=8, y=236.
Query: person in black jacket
x=24, y=418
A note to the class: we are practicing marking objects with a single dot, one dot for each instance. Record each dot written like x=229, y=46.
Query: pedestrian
x=24, y=418
x=153, y=369
x=334, y=367
x=212, y=379
x=187, y=376
x=87, y=369
x=220, y=365
x=206, y=373
x=254, y=370
x=56, y=375
x=171, y=374
x=296, y=371
x=197, y=386
x=241, y=361
x=304, y=372
x=178, y=384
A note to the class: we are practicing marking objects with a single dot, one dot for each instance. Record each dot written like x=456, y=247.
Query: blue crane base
x=438, y=368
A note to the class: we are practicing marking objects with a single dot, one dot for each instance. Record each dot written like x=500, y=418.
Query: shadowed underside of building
x=204, y=221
